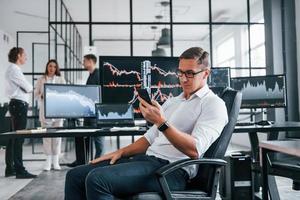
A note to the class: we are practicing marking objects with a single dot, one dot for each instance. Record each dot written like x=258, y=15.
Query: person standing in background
x=81, y=144
x=17, y=90
x=52, y=146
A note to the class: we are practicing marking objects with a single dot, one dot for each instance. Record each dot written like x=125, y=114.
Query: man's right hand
x=113, y=157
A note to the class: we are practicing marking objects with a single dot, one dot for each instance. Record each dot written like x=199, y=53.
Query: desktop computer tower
x=236, y=178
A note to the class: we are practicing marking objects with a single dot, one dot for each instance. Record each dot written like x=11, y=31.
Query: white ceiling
x=27, y=15
x=32, y=15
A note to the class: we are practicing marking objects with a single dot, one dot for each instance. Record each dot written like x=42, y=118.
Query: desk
x=60, y=132
x=286, y=147
x=273, y=132
x=74, y=133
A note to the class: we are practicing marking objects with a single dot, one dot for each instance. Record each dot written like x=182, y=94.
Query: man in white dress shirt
x=184, y=127
x=17, y=90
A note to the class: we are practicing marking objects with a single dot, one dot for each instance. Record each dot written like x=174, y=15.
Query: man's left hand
x=152, y=113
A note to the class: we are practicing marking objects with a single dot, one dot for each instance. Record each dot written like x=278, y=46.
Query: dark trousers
x=81, y=149
x=14, y=149
x=99, y=143
x=128, y=176
x=82, y=144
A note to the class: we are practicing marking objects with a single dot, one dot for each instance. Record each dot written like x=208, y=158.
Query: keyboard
x=260, y=123
x=128, y=123
x=133, y=128
x=244, y=124
x=264, y=123
x=26, y=131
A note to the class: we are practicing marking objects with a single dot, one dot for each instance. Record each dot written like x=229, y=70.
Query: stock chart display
x=121, y=76
x=219, y=77
x=114, y=111
x=261, y=91
x=164, y=80
x=71, y=101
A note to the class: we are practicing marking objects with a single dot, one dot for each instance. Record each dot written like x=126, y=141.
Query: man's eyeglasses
x=188, y=73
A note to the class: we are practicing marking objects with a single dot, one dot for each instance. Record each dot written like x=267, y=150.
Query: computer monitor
x=261, y=91
x=121, y=76
x=219, y=77
x=114, y=113
x=71, y=101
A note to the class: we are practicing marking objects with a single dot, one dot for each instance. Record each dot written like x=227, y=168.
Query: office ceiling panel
x=33, y=15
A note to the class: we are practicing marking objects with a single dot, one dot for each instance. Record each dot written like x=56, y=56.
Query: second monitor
x=261, y=91
x=114, y=114
x=71, y=101
x=219, y=77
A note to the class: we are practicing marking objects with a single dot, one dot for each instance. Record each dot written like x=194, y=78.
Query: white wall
x=6, y=42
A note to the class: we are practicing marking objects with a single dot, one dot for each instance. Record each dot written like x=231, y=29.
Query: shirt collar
x=200, y=93
x=14, y=64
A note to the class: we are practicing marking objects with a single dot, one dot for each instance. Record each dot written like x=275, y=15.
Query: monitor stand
x=263, y=121
x=71, y=123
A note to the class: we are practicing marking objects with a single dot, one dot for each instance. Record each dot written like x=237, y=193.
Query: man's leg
x=18, y=113
x=125, y=179
x=75, y=179
x=98, y=145
x=9, y=158
x=81, y=151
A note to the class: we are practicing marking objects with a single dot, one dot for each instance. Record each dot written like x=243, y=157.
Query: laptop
x=110, y=115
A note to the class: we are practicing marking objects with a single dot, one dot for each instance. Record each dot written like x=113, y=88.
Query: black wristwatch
x=164, y=126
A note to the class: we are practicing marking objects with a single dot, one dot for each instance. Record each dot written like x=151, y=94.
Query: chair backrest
x=205, y=175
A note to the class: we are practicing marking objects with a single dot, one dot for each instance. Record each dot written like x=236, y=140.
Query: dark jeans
x=99, y=143
x=14, y=149
x=128, y=176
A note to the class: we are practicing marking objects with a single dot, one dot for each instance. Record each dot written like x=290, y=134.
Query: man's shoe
x=25, y=175
x=10, y=172
x=73, y=164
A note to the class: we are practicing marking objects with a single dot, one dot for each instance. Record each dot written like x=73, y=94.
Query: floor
x=53, y=181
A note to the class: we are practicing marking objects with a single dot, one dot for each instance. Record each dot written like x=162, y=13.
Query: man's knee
x=96, y=180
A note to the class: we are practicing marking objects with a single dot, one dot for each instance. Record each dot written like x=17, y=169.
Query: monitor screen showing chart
x=71, y=101
x=219, y=77
x=122, y=76
x=261, y=91
x=114, y=112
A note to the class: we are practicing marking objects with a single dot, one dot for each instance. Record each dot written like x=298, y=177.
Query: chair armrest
x=163, y=171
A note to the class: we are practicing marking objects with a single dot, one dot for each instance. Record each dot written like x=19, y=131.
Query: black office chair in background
x=204, y=185
x=5, y=123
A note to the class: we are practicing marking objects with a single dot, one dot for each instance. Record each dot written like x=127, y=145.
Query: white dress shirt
x=203, y=116
x=17, y=87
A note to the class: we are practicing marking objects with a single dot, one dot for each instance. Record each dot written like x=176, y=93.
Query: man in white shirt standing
x=184, y=127
x=17, y=90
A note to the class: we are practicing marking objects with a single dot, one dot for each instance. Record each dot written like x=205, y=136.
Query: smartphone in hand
x=143, y=93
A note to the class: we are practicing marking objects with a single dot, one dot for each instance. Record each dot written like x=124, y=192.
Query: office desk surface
x=74, y=133
x=277, y=126
x=291, y=147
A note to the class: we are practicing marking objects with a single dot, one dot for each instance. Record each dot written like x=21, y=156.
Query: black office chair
x=204, y=185
x=5, y=123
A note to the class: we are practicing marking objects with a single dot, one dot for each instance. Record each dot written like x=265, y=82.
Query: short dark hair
x=13, y=54
x=91, y=57
x=196, y=53
x=57, y=71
